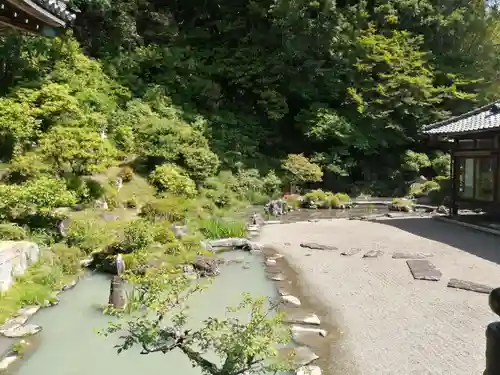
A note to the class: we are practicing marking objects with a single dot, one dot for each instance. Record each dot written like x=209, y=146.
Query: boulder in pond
x=308, y=370
x=207, y=266
x=22, y=331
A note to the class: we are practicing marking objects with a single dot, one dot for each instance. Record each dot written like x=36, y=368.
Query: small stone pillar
x=117, y=292
x=493, y=337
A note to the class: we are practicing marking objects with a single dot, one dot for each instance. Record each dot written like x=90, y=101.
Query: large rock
x=207, y=266
x=15, y=258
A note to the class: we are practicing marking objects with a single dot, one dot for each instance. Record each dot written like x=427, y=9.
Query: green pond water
x=69, y=345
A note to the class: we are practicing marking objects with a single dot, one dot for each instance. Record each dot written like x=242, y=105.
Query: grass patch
x=219, y=228
x=57, y=266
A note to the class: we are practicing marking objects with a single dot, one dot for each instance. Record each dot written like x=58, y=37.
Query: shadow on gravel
x=483, y=245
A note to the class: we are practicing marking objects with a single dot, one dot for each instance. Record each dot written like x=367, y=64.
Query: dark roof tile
x=481, y=119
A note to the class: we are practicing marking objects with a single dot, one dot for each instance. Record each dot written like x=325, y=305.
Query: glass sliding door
x=484, y=179
x=466, y=177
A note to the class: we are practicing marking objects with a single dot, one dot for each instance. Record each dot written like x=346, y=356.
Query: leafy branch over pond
x=156, y=319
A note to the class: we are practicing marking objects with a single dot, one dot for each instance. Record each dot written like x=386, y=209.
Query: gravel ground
x=392, y=324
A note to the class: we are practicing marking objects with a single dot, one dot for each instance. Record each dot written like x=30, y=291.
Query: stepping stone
x=7, y=361
x=22, y=331
x=299, y=357
x=308, y=370
x=317, y=246
x=423, y=270
x=302, y=318
x=270, y=262
x=351, y=252
x=283, y=292
x=468, y=285
x=411, y=255
x=279, y=277
x=291, y=300
x=314, y=330
x=276, y=256
x=373, y=254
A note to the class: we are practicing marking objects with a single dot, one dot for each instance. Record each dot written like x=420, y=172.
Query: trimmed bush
x=169, y=178
x=126, y=174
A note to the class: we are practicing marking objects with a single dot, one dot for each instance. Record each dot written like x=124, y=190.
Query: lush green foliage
x=206, y=101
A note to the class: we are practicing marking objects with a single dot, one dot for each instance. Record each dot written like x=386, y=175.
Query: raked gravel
x=392, y=324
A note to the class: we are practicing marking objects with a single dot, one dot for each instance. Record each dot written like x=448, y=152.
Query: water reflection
x=70, y=345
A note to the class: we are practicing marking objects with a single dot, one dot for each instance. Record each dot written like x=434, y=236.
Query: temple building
x=474, y=138
x=44, y=17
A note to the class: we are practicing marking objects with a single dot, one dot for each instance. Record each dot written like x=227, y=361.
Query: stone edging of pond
x=18, y=328
x=309, y=321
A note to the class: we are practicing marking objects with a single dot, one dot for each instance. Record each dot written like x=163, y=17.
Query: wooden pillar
x=493, y=337
x=455, y=182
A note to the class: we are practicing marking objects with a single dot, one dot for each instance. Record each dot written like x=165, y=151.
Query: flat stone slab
x=314, y=330
x=317, y=246
x=278, y=277
x=469, y=285
x=22, y=331
x=6, y=362
x=292, y=300
x=423, y=270
x=373, y=254
x=299, y=357
x=350, y=252
x=411, y=255
x=302, y=318
x=308, y=370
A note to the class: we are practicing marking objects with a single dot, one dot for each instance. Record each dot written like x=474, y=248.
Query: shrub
x=89, y=235
x=12, y=232
x=300, y=169
x=67, y=258
x=293, y=200
x=169, y=178
x=126, y=174
x=218, y=228
x=131, y=203
x=316, y=199
x=34, y=198
x=441, y=194
x=95, y=188
x=272, y=184
x=343, y=197
x=172, y=209
x=137, y=235
x=401, y=204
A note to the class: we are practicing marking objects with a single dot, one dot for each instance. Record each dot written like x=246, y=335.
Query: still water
x=69, y=344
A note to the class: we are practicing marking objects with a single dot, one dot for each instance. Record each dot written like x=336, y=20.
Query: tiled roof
x=57, y=8
x=481, y=119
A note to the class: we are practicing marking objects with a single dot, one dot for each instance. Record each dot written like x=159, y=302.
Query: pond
x=69, y=344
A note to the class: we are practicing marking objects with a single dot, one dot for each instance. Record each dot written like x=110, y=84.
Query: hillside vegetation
x=151, y=113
